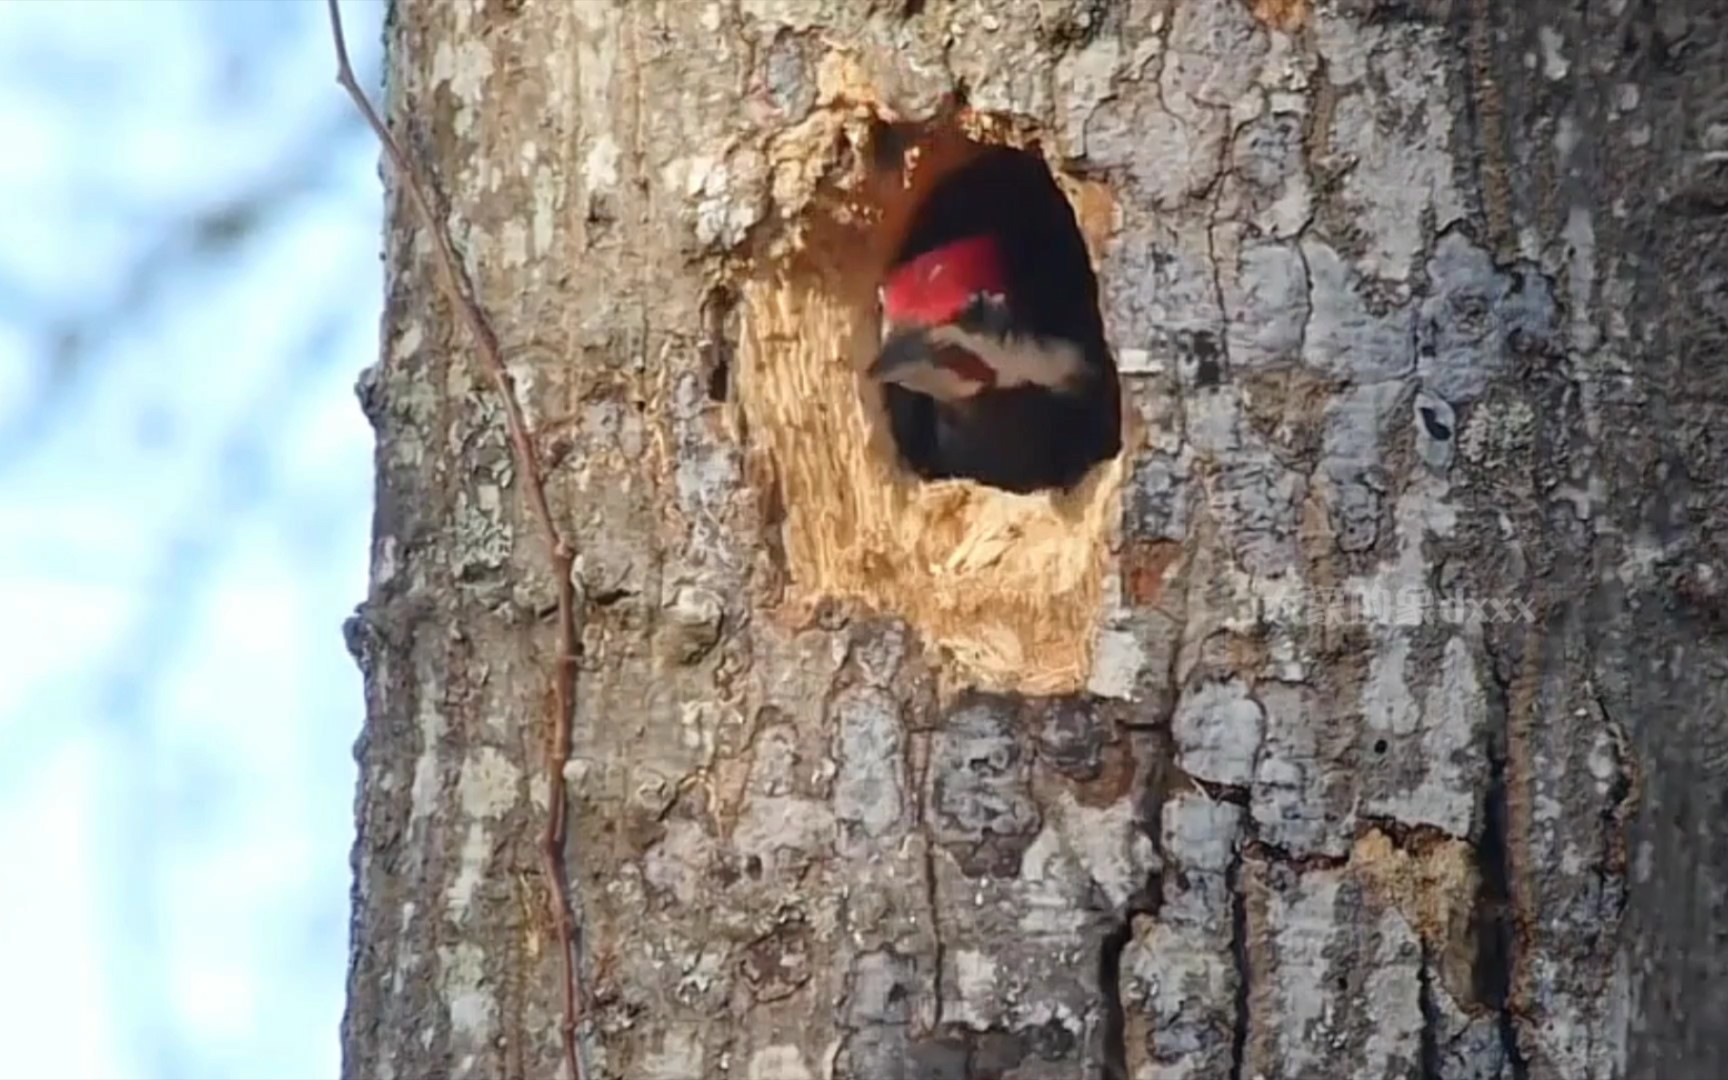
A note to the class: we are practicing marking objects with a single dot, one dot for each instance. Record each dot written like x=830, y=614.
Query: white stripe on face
x=1019, y=361
x=934, y=380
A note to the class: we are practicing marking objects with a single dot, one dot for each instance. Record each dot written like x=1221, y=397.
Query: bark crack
x=1113, y=1064
x=1496, y=944
x=1431, y=1019
x=918, y=748
x=1624, y=793
x=1244, y=968
x=1215, y=218
x=937, y=948
x=1113, y=1055
x=1148, y=902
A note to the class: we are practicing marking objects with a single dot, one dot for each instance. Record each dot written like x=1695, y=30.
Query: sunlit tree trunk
x=1363, y=719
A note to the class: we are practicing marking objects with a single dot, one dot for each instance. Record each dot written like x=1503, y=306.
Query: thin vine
x=459, y=292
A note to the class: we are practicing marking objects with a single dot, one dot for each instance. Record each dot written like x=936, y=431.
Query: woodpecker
x=993, y=360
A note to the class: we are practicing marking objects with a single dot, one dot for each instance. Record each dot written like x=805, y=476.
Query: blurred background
x=189, y=286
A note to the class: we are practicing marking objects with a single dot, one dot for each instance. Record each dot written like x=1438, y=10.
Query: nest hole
x=1007, y=580
x=1024, y=440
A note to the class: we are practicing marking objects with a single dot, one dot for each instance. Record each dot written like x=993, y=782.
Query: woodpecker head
x=949, y=329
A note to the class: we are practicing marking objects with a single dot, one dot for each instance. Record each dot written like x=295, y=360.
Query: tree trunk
x=1361, y=719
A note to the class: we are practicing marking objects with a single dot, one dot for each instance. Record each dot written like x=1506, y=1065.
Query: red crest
x=937, y=285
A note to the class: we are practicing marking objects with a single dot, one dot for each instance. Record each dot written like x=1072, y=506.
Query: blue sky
x=189, y=285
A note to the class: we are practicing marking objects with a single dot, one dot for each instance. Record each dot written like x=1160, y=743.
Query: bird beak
x=902, y=351
x=911, y=359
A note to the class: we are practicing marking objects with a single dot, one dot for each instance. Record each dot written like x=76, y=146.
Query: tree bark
x=1362, y=719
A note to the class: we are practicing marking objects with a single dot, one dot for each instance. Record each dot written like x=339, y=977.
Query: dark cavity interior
x=1018, y=439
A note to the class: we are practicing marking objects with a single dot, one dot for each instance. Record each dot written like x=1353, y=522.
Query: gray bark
x=1421, y=301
